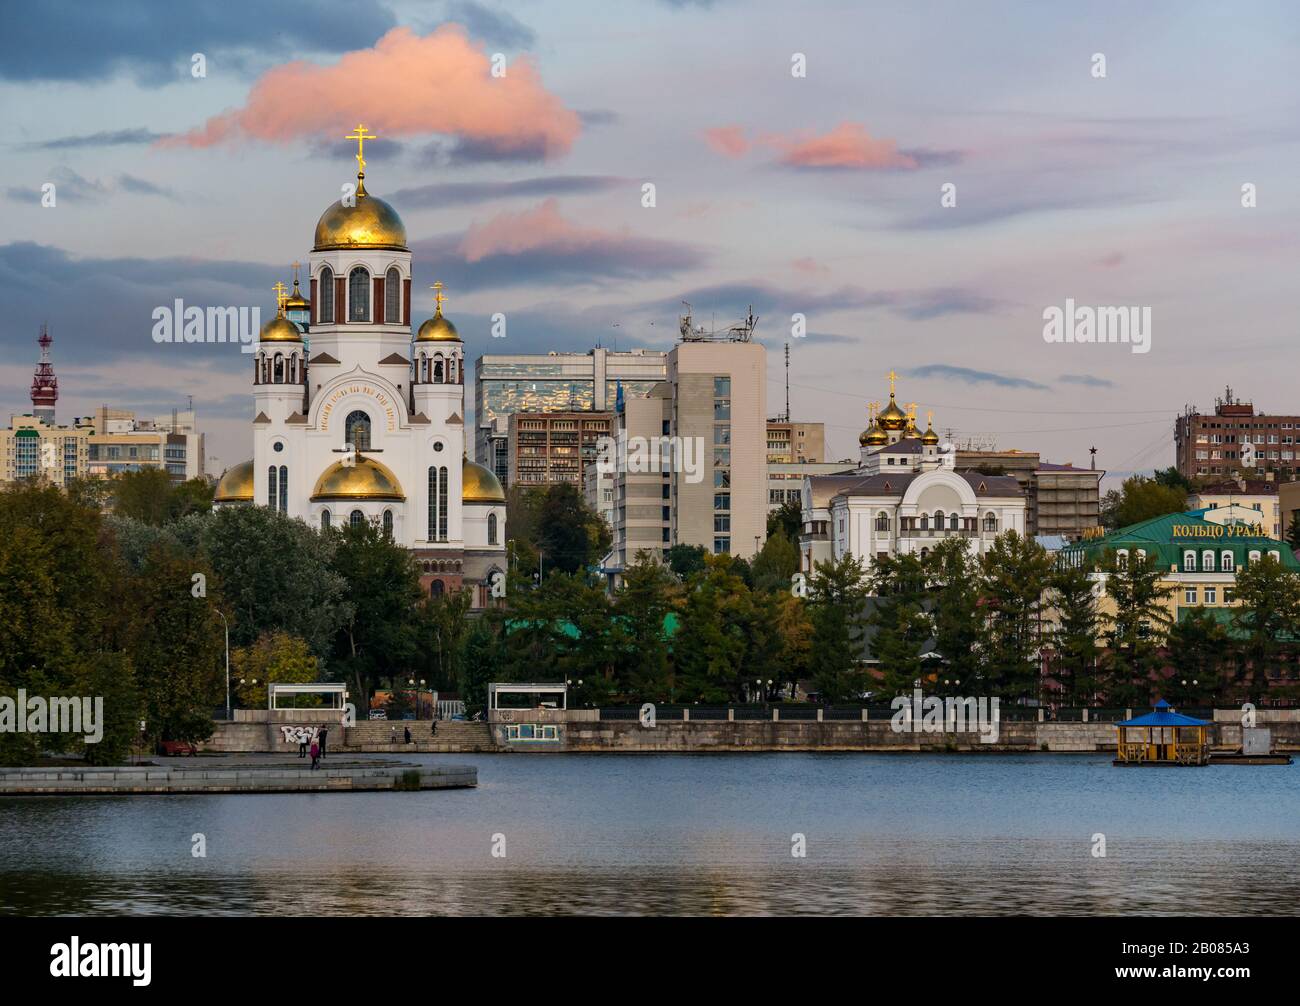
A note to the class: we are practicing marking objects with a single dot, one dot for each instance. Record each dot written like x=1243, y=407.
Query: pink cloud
x=848, y=145
x=729, y=141
x=516, y=233
x=406, y=85
x=809, y=267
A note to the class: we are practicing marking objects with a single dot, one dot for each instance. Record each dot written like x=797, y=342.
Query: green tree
x=727, y=639
x=786, y=520
x=110, y=676
x=775, y=564
x=954, y=592
x=900, y=620
x=1199, y=651
x=442, y=623
x=1142, y=499
x=648, y=595
x=1136, y=628
x=1016, y=573
x=686, y=560
x=837, y=596
x=569, y=533
x=1268, y=617
x=1075, y=636
x=275, y=657
x=1293, y=530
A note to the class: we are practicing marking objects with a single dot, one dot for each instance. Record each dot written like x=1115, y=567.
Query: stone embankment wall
x=368, y=735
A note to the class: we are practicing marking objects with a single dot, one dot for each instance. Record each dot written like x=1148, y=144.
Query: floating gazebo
x=1163, y=737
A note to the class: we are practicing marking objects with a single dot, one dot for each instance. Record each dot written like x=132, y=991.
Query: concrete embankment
x=206, y=775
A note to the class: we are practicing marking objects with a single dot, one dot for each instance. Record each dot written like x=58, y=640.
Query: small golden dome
x=295, y=300
x=892, y=418
x=437, y=329
x=368, y=223
x=479, y=485
x=359, y=478
x=235, y=485
x=279, y=329
x=873, y=436
x=929, y=437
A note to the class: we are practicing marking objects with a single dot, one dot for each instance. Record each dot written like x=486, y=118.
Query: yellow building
x=30, y=448
x=1258, y=495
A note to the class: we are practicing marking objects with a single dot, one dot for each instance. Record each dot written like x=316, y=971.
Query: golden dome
x=368, y=223
x=873, y=436
x=236, y=484
x=479, y=485
x=295, y=300
x=929, y=437
x=280, y=329
x=359, y=478
x=892, y=418
x=437, y=329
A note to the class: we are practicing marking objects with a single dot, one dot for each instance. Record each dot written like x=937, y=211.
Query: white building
x=371, y=426
x=904, y=497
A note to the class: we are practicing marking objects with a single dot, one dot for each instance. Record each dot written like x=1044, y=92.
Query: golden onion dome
x=892, y=418
x=279, y=329
x=873, y=436
x=437, y=329
x=358, y=478
x=479, y=485
x=295, y=300
x=929, y=437
x=235, y=485
x=368, y=223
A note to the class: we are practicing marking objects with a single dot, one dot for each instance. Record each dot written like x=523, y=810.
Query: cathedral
x=905, y=496
x=368, y=424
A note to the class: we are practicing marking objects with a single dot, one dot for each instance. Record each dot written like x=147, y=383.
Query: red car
x=172, y=748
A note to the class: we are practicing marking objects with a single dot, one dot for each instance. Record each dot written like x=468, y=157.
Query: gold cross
x=361, y=135
x=295, y=272
x=929, y=417
x=438, y=298
x=280, y=298
x=892, y=378
x=911, y=411
x=871, y=410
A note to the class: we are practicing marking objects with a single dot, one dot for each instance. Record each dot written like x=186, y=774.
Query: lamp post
x=226, y=625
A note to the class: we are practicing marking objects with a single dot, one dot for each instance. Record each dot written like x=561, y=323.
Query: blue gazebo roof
x=1162, y=717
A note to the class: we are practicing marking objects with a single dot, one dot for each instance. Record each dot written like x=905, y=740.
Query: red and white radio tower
x=45, y=386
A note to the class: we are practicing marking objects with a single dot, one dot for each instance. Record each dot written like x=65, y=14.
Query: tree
x=1075, y=635
x=775, y=564
x=1143, y=499
x=149, y=495
x=442, y=623
x=837, y=595
x=382, y=584
x=482, y=659
x=1172, y=478
x=786, y=520
x=1293, y=530
x=795, y=627
x=727, y=641
x=1016, y=571
x=954, y=593
x=1268, y=616
x=1199, y=652
x=686, y=560
x=1136, y=628
x=648, y=595
x=275, y=657
x=900, y=620
x=557, y=522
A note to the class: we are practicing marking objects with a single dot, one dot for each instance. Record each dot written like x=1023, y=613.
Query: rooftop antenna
x=787, y=375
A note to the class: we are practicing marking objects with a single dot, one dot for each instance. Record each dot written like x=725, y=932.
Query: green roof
x=671, y=625
x=1167, y=537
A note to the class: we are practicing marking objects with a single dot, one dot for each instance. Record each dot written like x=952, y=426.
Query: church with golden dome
x=904, y=496
x=355, y=420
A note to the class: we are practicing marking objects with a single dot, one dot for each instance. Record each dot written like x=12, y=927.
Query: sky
x=816, y=194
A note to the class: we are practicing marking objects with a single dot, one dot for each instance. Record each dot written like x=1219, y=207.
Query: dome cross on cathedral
x=361, y=134
x=892, y=378
x=438, y=296
x=280, y=295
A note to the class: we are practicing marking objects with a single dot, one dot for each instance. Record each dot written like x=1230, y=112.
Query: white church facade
x=904, y=497
x=354, y=420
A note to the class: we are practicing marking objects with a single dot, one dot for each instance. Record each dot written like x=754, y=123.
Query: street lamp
x=227, y=628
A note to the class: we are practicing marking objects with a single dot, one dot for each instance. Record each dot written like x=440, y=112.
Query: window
x=356, y=518
x=722, y=480
x=272, y=488
x=436, y=589
x=1229, y=595
x=722, y=501
x=359, y=295
x=1189, y=595
x=990, y=521
x=1254, y=556
x=722, y=545
x=925, y=522
x=722, y=410
x=356, y=430
x=492, y=529
x=952, y=523
x=284, y=489
x=722, y=434
x=1189, y=561
x=722, y=522
x=722, y=387
x=1211, y=595
x=326, y=297
x=1121, y=559
x=388, y=523
x=1226, y=562
x=1207, y=561
x=938, y=519
x=882, y=521
x=393, y=297
x=324, y=520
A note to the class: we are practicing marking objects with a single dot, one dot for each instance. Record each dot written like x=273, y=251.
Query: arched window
x=325, y=295
x=277, y=374
x=393, y=297
x=925, y=522
x=492, y=529
x=1254, y=556
x=1207, y=561
x=356, y=518
x=1121, y=559
x=990, y=521
x=437, y=370
x=356, y=430
x=938, y=519
x=1189, y=561
x=324, y=520
x=953, y=524
x=359, y=295
x=388, y=523
x=284, y=489
x=1275, y=555
x=438, y=488
x=1226, y=561
x=272, y=487
x=882, y=521
x=436, y=588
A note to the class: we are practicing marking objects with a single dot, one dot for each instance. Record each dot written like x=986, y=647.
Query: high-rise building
x=546, y=448
x=795, y=443
x=555, y=382
x=706, y=425
x=1236, y=440
x=31, y=448
x=1060, y=498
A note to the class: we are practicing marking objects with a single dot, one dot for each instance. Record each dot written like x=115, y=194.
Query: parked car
x=173, y=748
